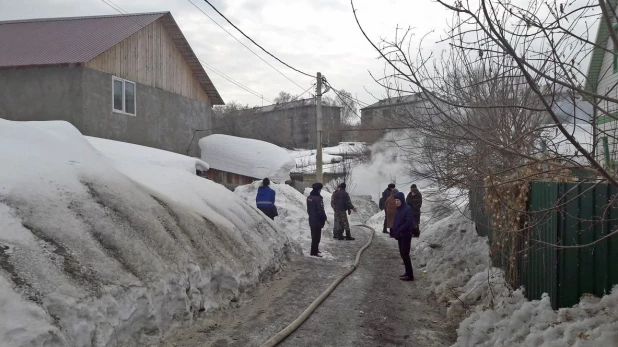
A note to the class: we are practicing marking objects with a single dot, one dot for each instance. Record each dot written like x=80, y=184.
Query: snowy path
x=370, y=308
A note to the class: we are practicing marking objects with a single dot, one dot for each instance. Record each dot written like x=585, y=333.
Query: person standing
x=391, y=210
x=415, y=201
x=265, y=199
x=342, y=205
x=332, y=205
x=403, y=227
x=317, y=217
x=385, y=194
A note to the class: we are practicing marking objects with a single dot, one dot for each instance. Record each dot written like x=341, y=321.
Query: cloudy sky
x=311, y=35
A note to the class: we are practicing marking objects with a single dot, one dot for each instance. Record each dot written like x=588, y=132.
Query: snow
x=117, y=246
x=248, y=157
x=332, y=157
x=127, y=152
x=347, y=149
x=306, y=160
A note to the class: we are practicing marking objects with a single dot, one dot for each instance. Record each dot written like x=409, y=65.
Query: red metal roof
x=55, y=41
x=65, y=40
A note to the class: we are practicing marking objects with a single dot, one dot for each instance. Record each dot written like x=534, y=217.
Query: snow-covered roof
x=247, y=157
x=347, y=149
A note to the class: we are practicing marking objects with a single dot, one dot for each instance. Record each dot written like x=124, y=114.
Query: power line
x=247, y=47
x=120, y=10
x=255, y=43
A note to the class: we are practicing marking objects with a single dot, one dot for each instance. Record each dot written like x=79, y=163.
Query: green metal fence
x=563, y=215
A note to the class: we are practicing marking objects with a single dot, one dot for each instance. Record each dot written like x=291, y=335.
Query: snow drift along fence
x=563, y=215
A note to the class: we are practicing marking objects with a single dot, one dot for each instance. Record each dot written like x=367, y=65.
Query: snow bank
x=122, y=151
x=248, y=157
x=104, y=251
x=291, y=206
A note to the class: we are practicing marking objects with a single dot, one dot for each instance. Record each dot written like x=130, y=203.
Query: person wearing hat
x=265, y=199
x=317, y=217
x=332, y=205
x=403, y=230
x=342, y=205
x=390, y=209
x=415, y=201
x=385, y=194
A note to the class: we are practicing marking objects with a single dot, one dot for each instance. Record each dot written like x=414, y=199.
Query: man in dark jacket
x=342, y=204
x=385, y=194
x=403, y=231
x=265, y=199
x=317, y=217
x=415, y=200
x=332, y=205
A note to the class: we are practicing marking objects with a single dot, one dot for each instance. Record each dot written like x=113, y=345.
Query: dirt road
x=372, y=307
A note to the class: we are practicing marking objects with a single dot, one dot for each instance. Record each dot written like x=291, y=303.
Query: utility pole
x=318, y=127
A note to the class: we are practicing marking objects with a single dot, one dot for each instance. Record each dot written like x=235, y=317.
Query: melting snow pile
x=457, y=261
x=247, y=157
x=118, y=250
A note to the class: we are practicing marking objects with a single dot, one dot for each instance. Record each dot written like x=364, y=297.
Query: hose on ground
x=283, y=334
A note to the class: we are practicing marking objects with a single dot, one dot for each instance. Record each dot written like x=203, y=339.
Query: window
x=123, y=94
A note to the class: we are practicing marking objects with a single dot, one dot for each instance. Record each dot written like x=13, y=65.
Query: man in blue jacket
x=404, y=227
x=317, y=217
x=265, y=199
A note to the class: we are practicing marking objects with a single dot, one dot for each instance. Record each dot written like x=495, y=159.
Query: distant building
x=388, y=113
x=289, y=125
x=235, y=161
x=131, y=78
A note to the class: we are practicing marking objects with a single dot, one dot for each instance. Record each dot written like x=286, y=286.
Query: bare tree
x=227, y=118
x=283, y=97
x=491, y=98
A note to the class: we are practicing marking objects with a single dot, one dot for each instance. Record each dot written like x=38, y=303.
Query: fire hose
x=283, y=334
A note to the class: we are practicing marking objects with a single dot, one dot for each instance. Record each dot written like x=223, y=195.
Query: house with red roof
x=131, y=78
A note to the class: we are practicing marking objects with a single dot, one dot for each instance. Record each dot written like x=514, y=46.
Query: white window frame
x=124, y=106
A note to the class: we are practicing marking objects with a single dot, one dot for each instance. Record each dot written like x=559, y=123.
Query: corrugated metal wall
x=563, y=215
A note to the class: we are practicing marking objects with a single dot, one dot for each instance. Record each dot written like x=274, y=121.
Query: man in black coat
x=415, y=201
x=404, y=230
x=385, y=194
x=317, y=217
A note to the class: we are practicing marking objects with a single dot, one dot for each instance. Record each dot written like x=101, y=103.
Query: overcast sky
x=311, y=35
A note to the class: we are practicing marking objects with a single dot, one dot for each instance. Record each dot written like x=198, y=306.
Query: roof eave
x=169, y=23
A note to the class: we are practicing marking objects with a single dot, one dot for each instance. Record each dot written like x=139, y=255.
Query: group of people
x=402, y=218
x=341, y=204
